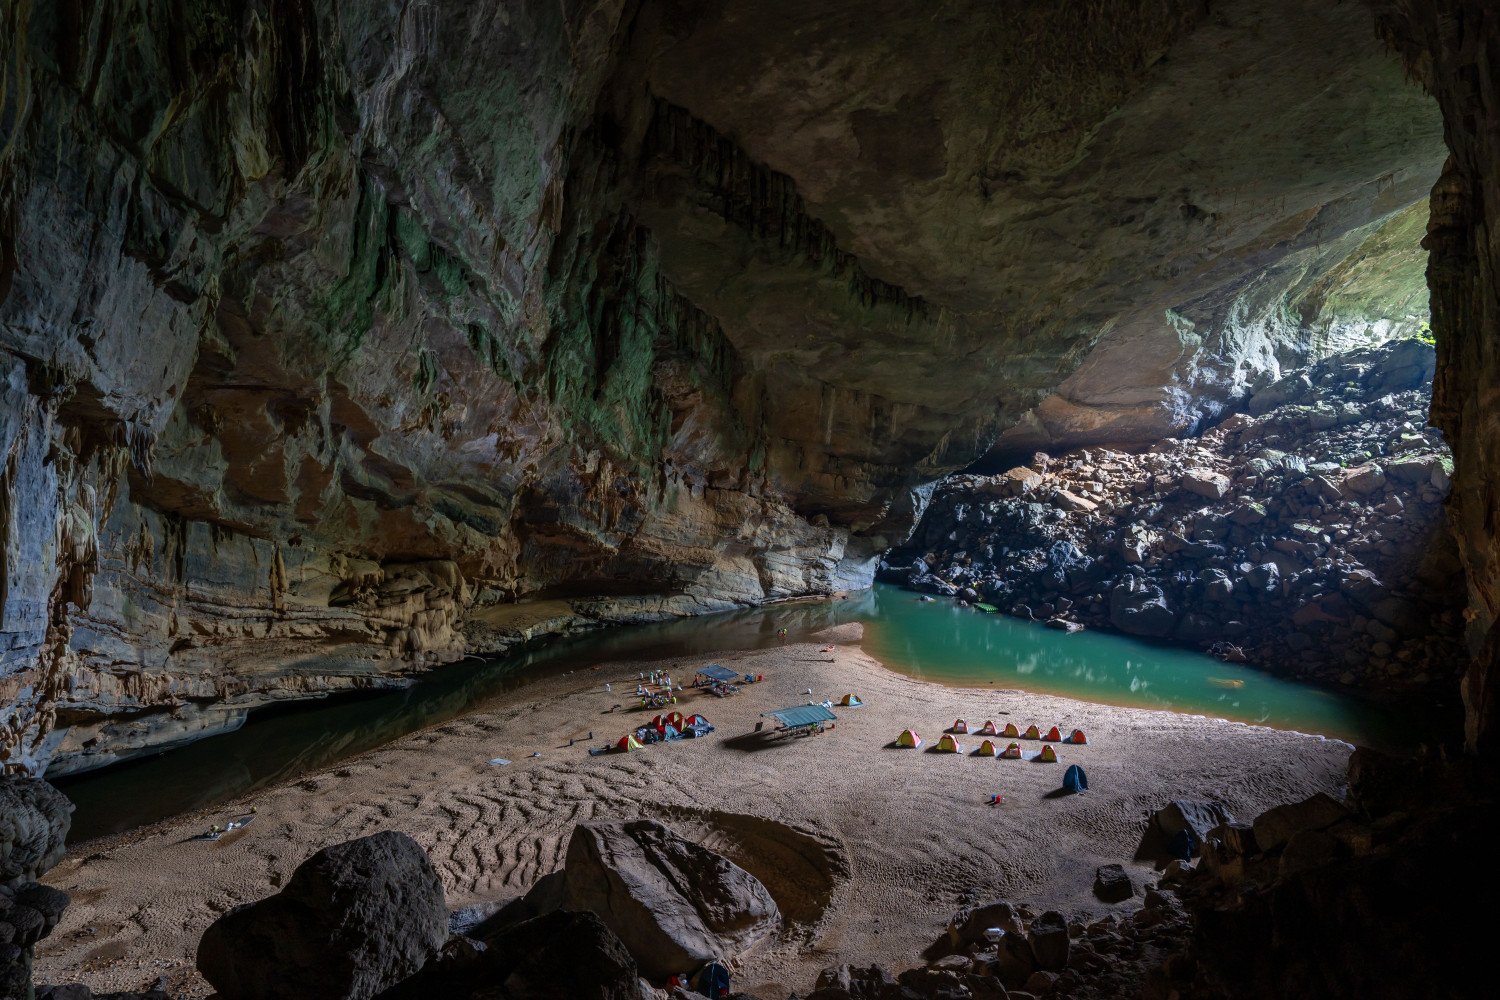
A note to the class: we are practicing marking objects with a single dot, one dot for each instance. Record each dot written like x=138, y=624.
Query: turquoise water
x=940, y=641
x=936, y=641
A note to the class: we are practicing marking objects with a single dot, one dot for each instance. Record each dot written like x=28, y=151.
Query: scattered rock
x=1112, y=884
x=1206, y=483
x=1274, y=827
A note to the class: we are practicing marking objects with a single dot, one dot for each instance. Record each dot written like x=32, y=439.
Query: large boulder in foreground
x=674, y=904
x=354, y=919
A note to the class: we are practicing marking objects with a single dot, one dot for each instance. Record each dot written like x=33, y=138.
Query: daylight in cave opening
x=850, y=500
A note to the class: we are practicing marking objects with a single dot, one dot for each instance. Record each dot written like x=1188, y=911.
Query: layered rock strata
x=1306, y=536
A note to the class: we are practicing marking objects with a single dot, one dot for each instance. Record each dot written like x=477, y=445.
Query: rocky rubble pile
x=1305, y=535
x=34, y=820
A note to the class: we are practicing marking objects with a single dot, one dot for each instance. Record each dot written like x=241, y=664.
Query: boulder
x=559, y=954
x=353, y=920
x=34, y=821
x=1140, y=608
x=1112, y=884
x=1019, y=481
x=674, y=904
x=1206, y=483
x=1049, y=939
x=1276, y=826
x=966, y=927
x=1365, y=480
x=848, y=982
x=1185, y=814
x=1073, y=503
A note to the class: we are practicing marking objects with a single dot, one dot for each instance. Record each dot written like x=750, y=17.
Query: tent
x=986, y=749
x=988, y=729
x=1011, y=730
x=694, y=720
x=959, y=726
x=670, y=732
x=1074, y=780
x=712, y=980
x=947, y=744
x=627, y=743
x=1047, y=756
x=1032, y=733
x=908, y=738
x=850, y=701
x=1077, y=737
x=674, y=719
x=1053, y=735
x=1012, y=752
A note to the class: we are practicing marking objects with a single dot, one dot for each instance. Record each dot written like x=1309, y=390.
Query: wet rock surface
x=1306, y=536
x=34, y=820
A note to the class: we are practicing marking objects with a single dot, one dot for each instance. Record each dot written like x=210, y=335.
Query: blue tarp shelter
x=801, y=715
x=715, y=672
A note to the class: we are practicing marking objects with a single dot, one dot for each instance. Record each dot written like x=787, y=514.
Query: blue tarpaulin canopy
x=802, y=715
x=715, y=672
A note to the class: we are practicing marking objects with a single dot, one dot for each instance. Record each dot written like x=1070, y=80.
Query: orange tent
x=1032, y=733
x=1048, y=756
x=1011, y=730
x=1053, y=735
x=1012, y=752
x=1078, y=737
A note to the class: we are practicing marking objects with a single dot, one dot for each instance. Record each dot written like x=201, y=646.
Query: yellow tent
x=1032, y=733
x=988, y=729
x=850, y=701
x=1011, y=730
x=949, y=745
x=1048, y=755
x=628, y=742
x=1012, y=752
x=986, y=749
x=959, y=726
x=908, y=738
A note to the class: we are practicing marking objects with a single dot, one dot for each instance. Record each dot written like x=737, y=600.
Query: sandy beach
x=867, y=848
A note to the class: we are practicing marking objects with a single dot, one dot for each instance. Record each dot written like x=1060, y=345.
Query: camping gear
x=1078, y=737
x=1011, y=730
x=714, y=673
x=959, y=726
x=1053, y=736
x=1048, y=755
x=712, y=981
x=996, y=800
x=988, y=729
x=1074, y=780
x=850, y=701
x=1012, y=752
x=627, y=743
x=947, y=744
x=1032, y=733
x=986, y=749
x=670, y=732
x=696, y=726
x=908, y=738
x=800, y=718
x=988, y=609
x=497, y=761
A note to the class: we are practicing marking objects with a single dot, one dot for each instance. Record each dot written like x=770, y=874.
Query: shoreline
x=888, y=831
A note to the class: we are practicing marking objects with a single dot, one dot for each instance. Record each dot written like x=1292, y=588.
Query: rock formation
x=353, y=920
x=327, y=332
x=34, y=819
x=1306, y=536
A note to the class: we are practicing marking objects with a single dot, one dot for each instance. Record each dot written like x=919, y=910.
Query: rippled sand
x=867, y=848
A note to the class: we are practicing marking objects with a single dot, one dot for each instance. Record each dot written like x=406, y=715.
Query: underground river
x=936, y=641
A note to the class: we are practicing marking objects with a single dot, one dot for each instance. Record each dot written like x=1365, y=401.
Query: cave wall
x=1453, y=47
x=332, y=331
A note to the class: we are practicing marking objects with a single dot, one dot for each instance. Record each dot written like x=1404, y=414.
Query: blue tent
x=1074, y=780
x=715, y=672
x=712, y=980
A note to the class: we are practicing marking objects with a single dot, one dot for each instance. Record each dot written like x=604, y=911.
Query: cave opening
x=1009, y=390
